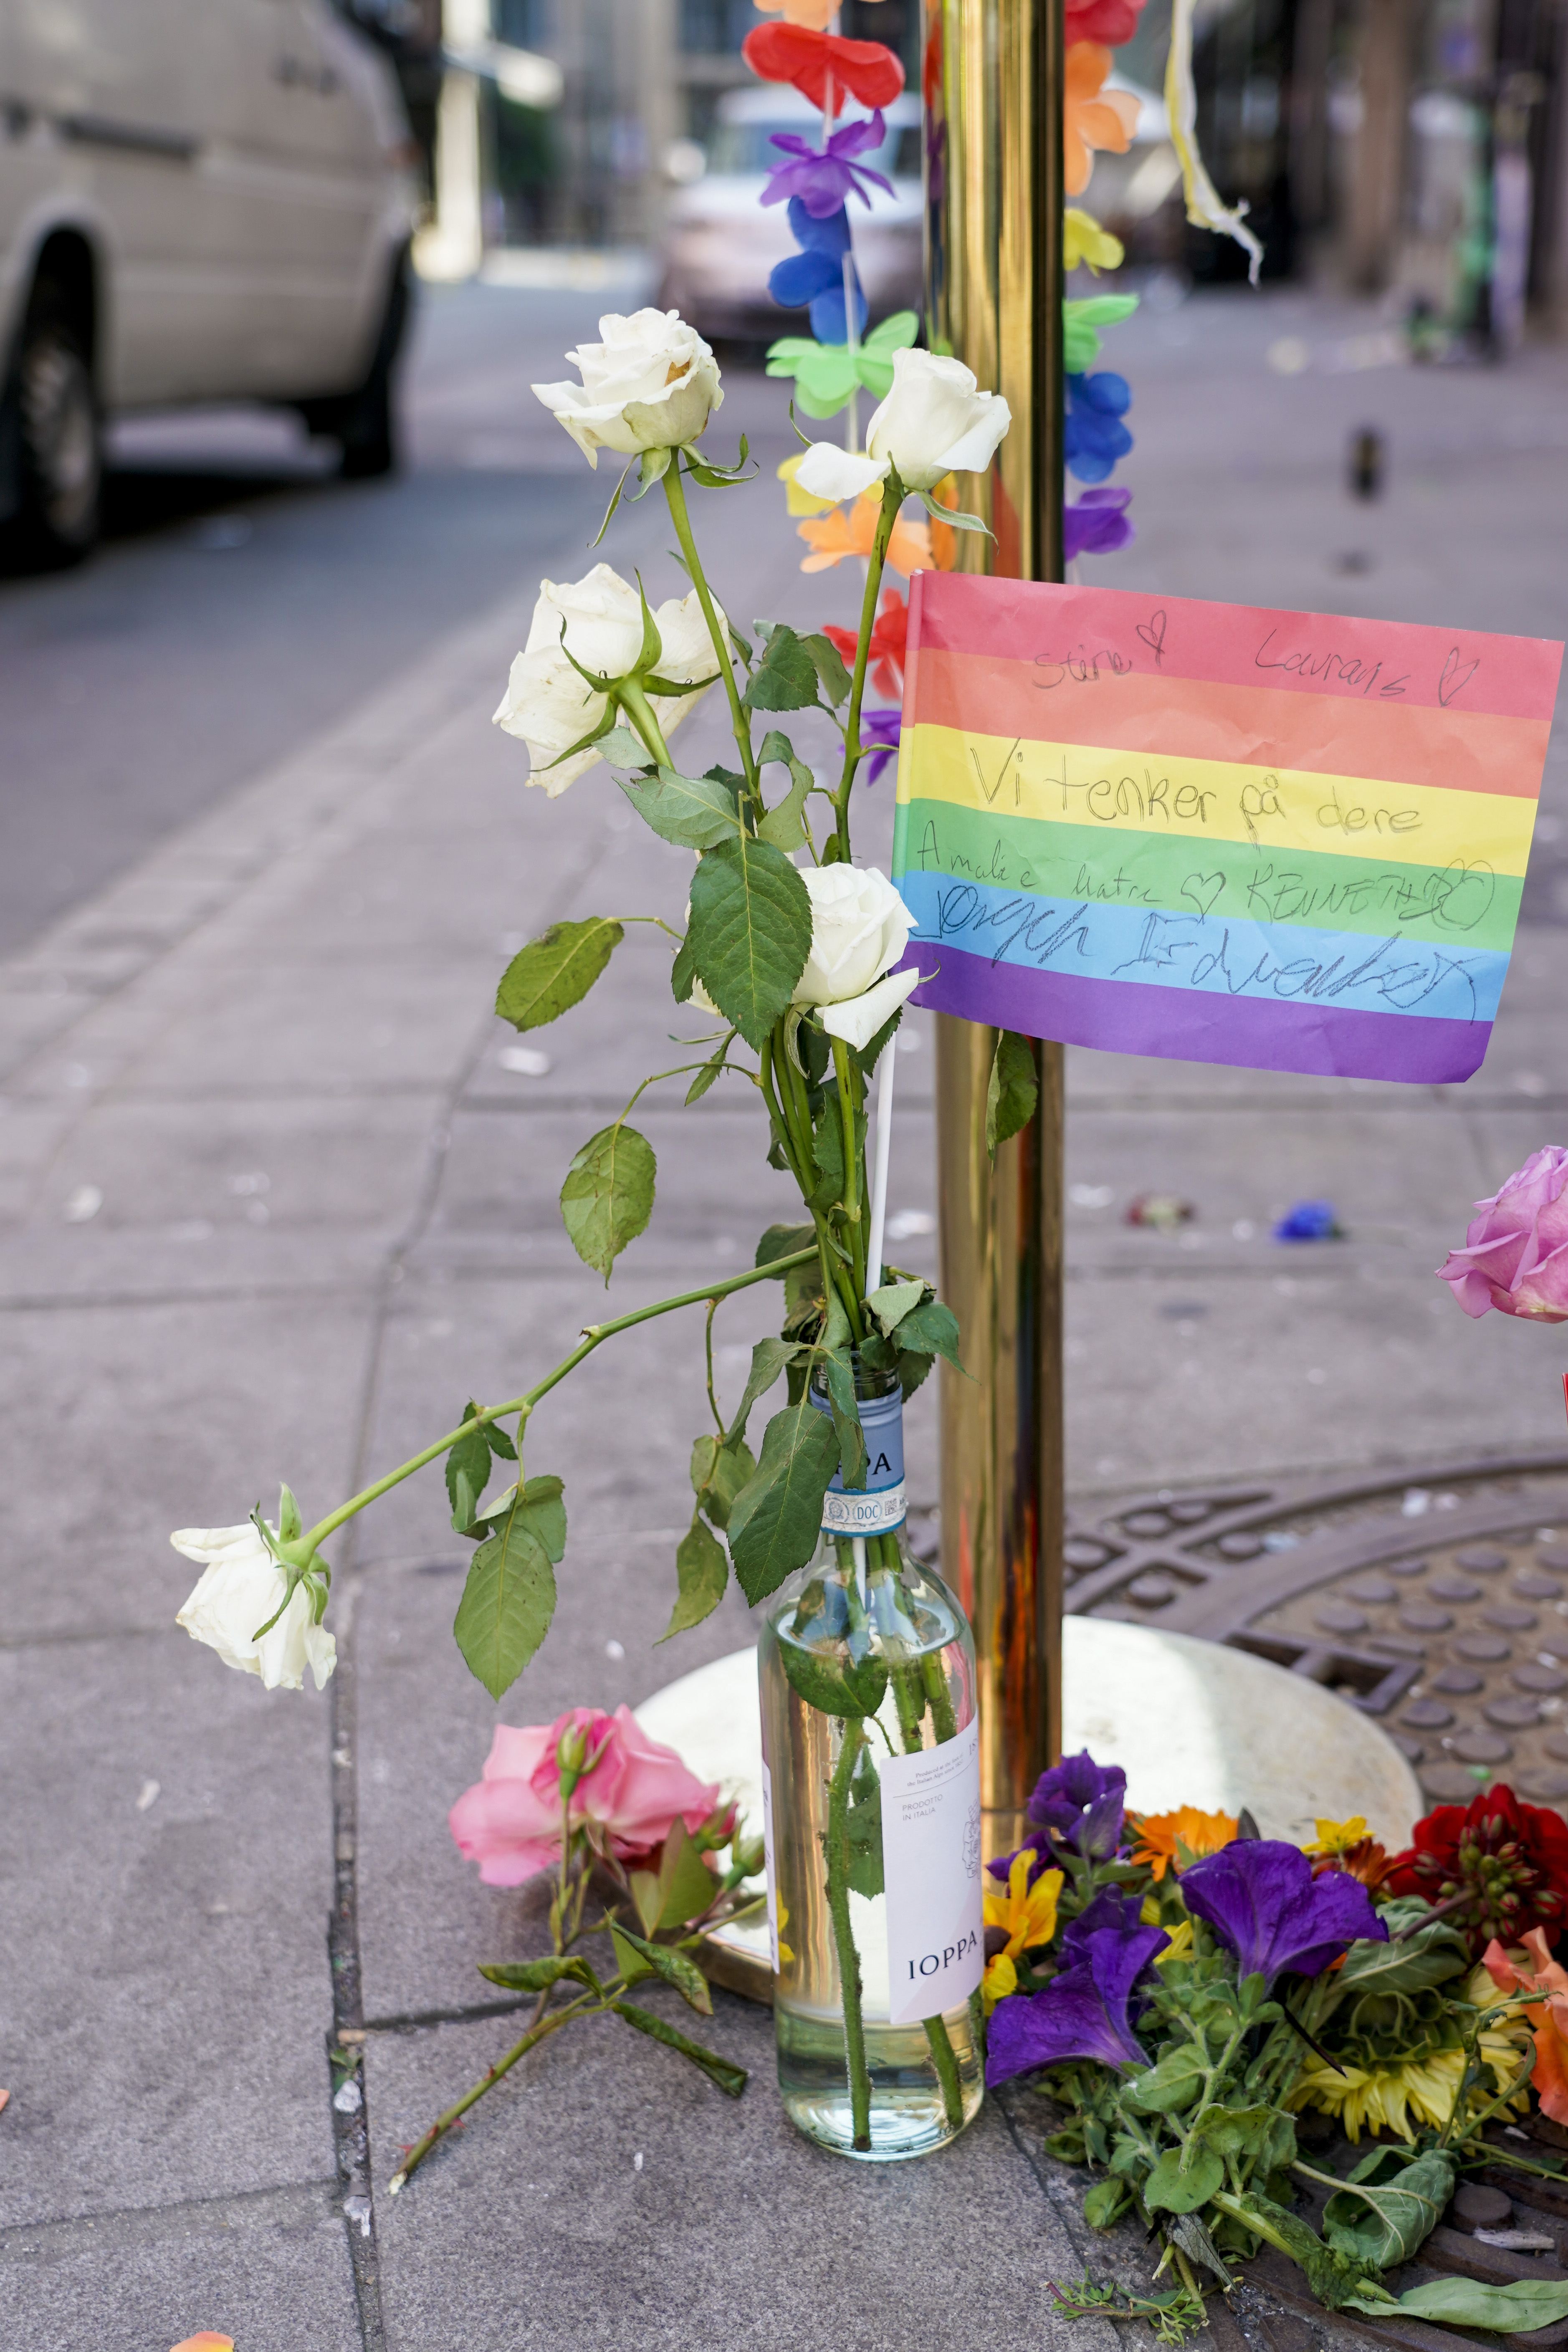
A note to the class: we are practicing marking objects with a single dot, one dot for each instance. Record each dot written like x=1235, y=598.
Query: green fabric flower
x=827, y=375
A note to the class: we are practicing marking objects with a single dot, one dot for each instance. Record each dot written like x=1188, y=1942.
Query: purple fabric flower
x=1088, y=2011
x=1095, y=436
x=1098, y=524
x=1260, y=1897
x=814, y=276
x=824, y=178
x=1082, y=1802
x=882, y=728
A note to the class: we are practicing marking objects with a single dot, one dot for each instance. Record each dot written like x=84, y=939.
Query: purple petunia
x=1098, y=524
x=1259, y=1896
x=1087, y=2011
x=814, y=276
x=824, y=178
x=1109, y=1909
x=882, y=728
x=1082, y=1802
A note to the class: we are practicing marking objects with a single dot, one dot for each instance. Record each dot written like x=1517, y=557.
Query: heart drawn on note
x=1203, y=890
x=1455, y=678
x=1153, y=632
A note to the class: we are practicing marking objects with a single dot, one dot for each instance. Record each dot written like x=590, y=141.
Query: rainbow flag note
x=1277, y=839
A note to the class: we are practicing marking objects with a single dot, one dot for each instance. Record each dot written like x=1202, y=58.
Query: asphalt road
x=244, y=597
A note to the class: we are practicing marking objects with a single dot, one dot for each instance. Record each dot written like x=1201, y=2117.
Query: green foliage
x=1106, y=2203
x=702, y=1571
x=784, y=825
x=750, y=932
x=929, y=1330
x=731, y=2079
x=508, y=1598
x=537, y=1976
x=1388, y=2206
x=1431, y=1956
x=1013, y=1091
x=774, y=1520
x=786, y=677
x=469, y=1464
x=718, y=1471
x=835, y=681
x=864, y=1831
x=1183, y=2179
x=838, y=1366
x=892, y=1302
x=693, y=811
x=556, y=971
x=607, y=1198
x=1520, y=2307
x=768, y=1358
x=682, y=1889
x=661, y=1960
x=834, y=1685
x=1170, y=2087
x=709, y=1072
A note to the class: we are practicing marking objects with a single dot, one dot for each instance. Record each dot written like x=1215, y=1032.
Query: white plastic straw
x=880, y=1178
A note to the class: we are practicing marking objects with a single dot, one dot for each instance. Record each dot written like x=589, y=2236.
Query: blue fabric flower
x=1310, y=1221
x=1087, y=2011
x=1259, y=1896
x=814, y=276
x=824, y=178
x=1095, y=436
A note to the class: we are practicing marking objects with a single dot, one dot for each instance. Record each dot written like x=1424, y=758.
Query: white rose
x=859, y=928
x=933, y=422
x=650, y=384
x=242, y=1587
x=550, y=706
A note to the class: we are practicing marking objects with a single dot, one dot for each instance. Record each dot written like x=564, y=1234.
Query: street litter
x=1163, y=1211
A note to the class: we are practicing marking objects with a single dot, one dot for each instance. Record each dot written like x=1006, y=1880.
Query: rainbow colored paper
x=1277, y=839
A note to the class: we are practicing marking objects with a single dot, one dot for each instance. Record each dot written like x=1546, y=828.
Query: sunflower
x=1170, y=1841
x=1024, y=1918
x=1382, y=2089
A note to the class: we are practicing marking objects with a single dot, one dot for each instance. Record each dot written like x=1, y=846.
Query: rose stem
x=893, y=498
x=682, y=521
x=844, y=1933
x=884, y=1154
x=592, y=1336
x=443, y=2123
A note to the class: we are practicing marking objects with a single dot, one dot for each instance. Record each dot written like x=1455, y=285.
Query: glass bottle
x=871, y=1788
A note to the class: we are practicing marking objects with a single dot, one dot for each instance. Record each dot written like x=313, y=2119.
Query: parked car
x=721, y=241
x=200, y=200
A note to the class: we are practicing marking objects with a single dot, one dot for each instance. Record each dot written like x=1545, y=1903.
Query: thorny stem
x=844, y=1933
x=708, y=1341
x=675, y=495
x=893, y=498
x=593, y=1335
x=847, y=1107
x=443, y=2123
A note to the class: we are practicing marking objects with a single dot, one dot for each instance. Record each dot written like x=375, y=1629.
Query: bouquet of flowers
x=1184, y=1988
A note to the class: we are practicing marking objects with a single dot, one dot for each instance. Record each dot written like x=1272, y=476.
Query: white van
x=200, y=200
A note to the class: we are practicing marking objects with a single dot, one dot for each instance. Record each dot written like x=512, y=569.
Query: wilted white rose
x=650, y=384
x=550, y=706
x=240, y=1589
x=934, y=422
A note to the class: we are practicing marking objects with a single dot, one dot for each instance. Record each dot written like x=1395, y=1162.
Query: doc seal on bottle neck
x=880, y=1506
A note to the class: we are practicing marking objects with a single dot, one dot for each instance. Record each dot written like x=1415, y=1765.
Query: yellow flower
x=787, y=1958
x=1337, y=1837
x=1174, y=1840
x=1084, y=241
x=1028, y=1914
x=1180, y=1947
x=800, y=502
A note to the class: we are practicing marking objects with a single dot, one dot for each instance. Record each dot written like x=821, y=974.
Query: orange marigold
x=1170, y=1841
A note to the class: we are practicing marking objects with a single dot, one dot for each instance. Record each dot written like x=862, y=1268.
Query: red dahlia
x=1497, y=1867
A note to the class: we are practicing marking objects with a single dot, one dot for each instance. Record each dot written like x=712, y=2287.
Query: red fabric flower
x=1108, y=22
x=885, y=660
x=1501, y=1864
x=864, y=69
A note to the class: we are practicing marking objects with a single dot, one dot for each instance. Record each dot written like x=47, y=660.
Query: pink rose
x=510, y=1823
x=1516, y=1251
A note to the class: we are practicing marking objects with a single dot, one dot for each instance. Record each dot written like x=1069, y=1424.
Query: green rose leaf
x=784, y=826
x=832, y=676
x=703, y=1570
x=893, y=1301
x=786, y=677
x=864, y=1831
x=468, y=1468
x=834, y=1685
x=775, y=1517
x=537, y=1976
x=556, y=971
x=682, y=1889
x=840, y=1375
x=784, y=1241
x=718, y=1471
x=1429, y=1956
x=709, y=1072
x=508, y=1598
x=693, y=811
x=674, y=1968
x=1013, y=1089
x=1169, y=2189
x=630, y=1964
x=1518, y=2308
x=750, y=931
x=607, y=1197
x=731, y=2079
x=931, y=1329
x=622, y=748
x=769, y=1359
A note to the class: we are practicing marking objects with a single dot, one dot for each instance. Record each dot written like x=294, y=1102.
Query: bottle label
x=880, y=1504
x=768, y=1863
x=931, y=1862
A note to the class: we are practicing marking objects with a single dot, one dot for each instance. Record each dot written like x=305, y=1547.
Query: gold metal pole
x=993, y=291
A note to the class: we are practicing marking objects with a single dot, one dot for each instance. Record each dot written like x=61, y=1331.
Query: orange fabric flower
x=1170, y=1841
x=818, y=14
x=832, y=537
x=1093, y=117
x=1549, y=2018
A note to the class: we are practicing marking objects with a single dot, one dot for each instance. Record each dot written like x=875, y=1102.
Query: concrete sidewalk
x=272, y=1205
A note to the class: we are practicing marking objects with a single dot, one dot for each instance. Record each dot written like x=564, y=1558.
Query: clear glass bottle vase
x=872, y=1811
